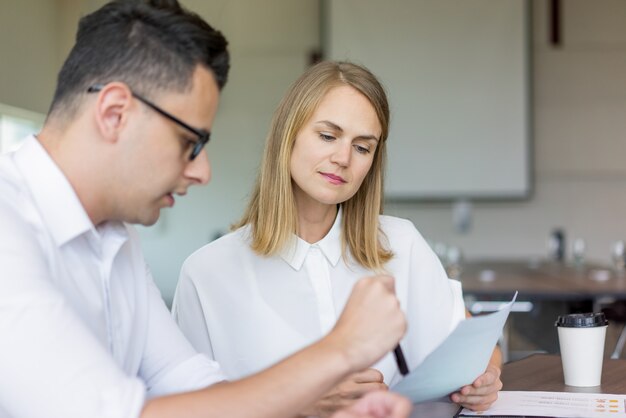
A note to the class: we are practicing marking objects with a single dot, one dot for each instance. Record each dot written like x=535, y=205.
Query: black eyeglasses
x=203, y=136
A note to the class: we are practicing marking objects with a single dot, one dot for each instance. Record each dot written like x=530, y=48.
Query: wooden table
x=540, y=281
x=588, y=288
x=539, y=372
x=543, y=372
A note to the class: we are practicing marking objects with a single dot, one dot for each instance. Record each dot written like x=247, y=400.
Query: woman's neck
x=314, y=221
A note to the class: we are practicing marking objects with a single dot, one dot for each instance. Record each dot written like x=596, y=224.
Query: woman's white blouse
x=249, y=312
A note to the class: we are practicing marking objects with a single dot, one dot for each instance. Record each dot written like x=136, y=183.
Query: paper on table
x=458, y=360
x=553, y=404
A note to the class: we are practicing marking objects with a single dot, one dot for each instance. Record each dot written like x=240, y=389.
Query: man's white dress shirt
x=83, y=329
x=247, y=312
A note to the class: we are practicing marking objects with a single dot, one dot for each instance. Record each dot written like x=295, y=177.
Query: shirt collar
x=54, y=196
x=295, y=253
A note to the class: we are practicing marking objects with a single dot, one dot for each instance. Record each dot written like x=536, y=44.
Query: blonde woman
x=313, y=228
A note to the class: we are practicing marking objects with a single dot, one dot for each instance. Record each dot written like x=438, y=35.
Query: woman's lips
x=333, y=178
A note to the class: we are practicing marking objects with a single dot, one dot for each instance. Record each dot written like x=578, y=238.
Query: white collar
x=330, y=246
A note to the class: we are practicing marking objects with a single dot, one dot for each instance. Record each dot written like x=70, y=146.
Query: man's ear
x=112, y=109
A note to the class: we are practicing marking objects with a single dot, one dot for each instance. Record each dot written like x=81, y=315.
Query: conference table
x=540, y=280
x=489, y=283
x=538, y=372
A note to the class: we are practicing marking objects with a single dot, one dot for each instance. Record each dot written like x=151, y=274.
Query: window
x=15, y=125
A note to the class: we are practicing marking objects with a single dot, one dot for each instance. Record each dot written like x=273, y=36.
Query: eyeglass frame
x=203, y=135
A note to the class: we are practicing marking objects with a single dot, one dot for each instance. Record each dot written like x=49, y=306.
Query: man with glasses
x=83, y=328
x=198, y=144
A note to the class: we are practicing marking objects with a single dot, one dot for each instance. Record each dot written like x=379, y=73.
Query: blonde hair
x=272, y=213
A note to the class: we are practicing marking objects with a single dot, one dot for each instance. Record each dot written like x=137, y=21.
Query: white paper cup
x=581, y=339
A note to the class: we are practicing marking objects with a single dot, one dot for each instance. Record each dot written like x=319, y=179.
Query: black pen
x=400, y=361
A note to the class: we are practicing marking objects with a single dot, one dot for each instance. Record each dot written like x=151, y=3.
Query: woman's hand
x=347, y=392
x=482, y=393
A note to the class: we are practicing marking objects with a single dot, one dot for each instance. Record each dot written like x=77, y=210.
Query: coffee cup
x=581, y=340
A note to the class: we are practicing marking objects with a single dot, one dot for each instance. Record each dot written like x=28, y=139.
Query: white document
x=553, y=404
x=458, y=360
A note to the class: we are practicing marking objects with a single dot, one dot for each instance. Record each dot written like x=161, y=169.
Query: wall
x=579, y=146
x=28, y=41
x=35, y=37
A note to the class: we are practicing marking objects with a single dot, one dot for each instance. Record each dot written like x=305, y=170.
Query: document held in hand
x=458, y=360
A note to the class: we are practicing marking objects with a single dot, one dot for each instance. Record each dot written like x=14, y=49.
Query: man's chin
x=148, y=221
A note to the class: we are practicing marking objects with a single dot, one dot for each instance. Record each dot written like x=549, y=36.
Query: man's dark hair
x=148, y=44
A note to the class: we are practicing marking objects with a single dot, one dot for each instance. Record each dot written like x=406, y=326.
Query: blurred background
x=570, y=103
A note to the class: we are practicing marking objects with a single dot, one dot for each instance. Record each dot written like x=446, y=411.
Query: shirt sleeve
x=170, y=363
x=188, y=313
x=434, y=303
x=50, y=364
x=458, y=305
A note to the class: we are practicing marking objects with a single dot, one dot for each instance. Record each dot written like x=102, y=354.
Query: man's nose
x=199, y=170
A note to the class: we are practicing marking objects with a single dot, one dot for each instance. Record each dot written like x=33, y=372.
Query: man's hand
x=370, y=325
x=482, y=393
x=348, y=392
x=378, y=405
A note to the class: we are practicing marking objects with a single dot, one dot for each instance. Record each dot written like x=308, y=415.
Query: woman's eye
x=326, y=137
x=361, y=149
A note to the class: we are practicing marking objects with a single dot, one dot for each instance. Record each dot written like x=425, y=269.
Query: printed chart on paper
x=554, y=404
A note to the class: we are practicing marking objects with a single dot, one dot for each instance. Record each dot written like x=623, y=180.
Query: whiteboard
x=457, y=76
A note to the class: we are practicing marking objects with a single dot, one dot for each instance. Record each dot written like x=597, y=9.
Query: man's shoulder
x=13, y=192
x=19, y=219
x=11, y=183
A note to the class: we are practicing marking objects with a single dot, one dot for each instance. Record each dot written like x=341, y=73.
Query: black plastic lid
x=582, y=320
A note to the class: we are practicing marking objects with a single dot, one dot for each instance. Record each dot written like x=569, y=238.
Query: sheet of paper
x=554, y=404
x=458, y=360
